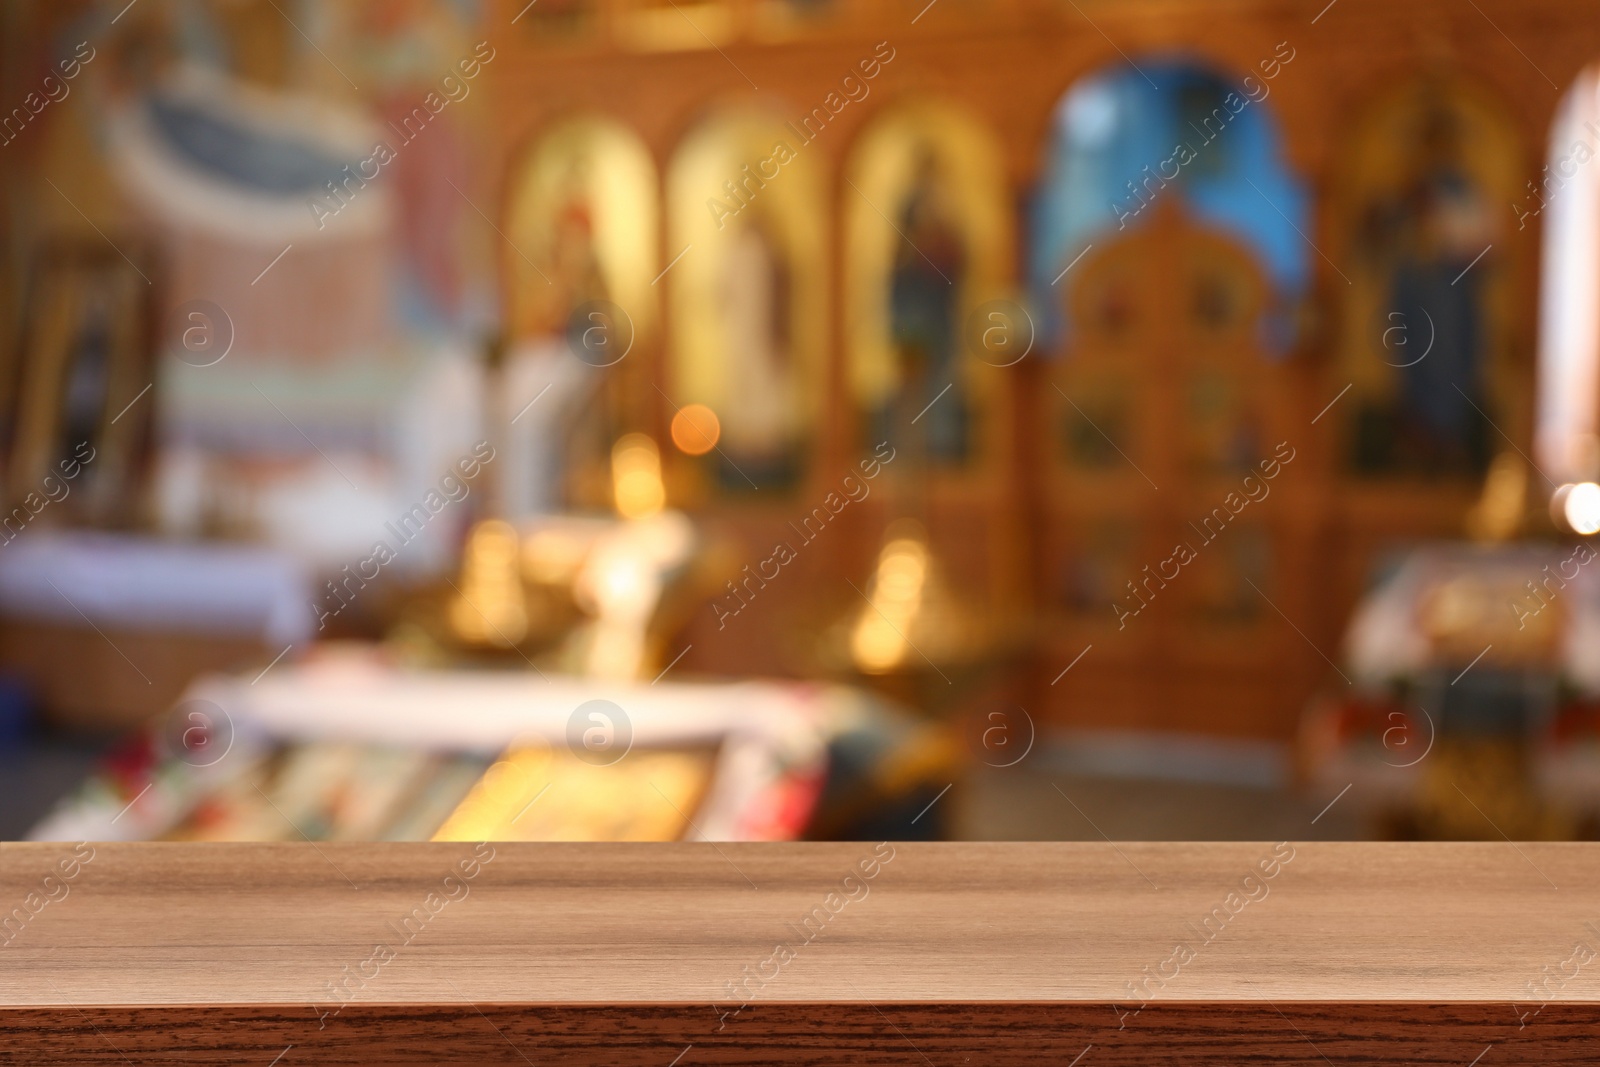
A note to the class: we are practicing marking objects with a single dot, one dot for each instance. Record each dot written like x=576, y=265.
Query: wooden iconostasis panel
x=927, y=239
x=749, y=317
x=1169, y=410
x=928, y=255
x=823, y=310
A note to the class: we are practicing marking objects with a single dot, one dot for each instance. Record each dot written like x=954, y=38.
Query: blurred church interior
x=776, y=419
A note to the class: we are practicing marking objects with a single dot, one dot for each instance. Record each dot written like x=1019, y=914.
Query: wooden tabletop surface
x=736, y=933
x=571, y=923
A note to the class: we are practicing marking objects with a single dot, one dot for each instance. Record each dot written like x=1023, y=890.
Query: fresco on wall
x=579, y=201
x=748, y=330
x=1423, y=329
x=928, y=236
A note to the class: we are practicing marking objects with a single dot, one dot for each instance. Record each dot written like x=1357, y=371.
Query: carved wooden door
x=1170, y=546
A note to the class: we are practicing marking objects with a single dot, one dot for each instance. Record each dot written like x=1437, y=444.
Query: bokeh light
x=1582, y=508
x=636, y=474
x=696, y=429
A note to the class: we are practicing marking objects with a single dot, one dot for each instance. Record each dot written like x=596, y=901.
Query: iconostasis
x=1158, y=345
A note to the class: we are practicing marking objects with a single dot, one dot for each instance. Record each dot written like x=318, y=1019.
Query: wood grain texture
x=948, y=954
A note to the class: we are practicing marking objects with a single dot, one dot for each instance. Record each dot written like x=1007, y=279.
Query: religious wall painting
x=927, y=254
x=747, y=294
x=1420, y=222
x=580, y=226
x=579, y=255
x=761, y=424
x=925, y=285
